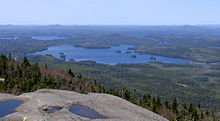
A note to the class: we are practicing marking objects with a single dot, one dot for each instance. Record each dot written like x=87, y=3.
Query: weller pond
x=112, y=56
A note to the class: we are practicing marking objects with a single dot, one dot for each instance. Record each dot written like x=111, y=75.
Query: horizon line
x=109, y=24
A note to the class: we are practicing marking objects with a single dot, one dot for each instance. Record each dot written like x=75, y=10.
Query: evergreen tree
x=159, y=101
x=9, y=56
x=199, y=105
x=99, y=88
x=167, y=104
x=126, y=93
x=195, y=115
x=79, y=76
x=70, y=72
x=207, y=113
x=95, y=83
x=111, y=91
x=202, y=115
x=191, y=108
x=103, y=89
x=175, y=106
x=153, y=100
x=154, y=109
x=93, y=89
x=213, y=115
x=144, y=99
x=26, y=62
x=148, y=97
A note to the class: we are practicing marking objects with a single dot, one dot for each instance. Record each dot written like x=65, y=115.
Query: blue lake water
x=9, y=38
x=7, y=107
x=52, y=110
x=47, y=37
x=161, y=43
x=107, y=56
x=85, y=112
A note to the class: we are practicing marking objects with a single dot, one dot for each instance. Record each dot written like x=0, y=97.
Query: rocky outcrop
x=111, y=107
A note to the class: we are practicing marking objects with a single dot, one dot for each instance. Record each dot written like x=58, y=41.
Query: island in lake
x=62, y=55
x=128, y=52
x=118, y=51
x=130, y=48
x=153, y=58
x=133, y=56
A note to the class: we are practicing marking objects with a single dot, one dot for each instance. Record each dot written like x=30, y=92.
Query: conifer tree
x=207, y=113
x=154, y=109
x=9, y=56
x=167, y=104
x=144, y=99
x=103, y=89
x=95, y=83
x=26, y=62
x=202, y=115
x=199, y=105
x=154, y=100
x=191, y=108
x=70, y=72
x=159, y=101
x=175, y=106
x=195, y=115
x=148, y=97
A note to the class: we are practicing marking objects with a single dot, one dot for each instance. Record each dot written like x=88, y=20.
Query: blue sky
x=110, y=12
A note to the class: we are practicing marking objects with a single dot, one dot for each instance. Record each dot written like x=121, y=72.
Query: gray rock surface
x=111, y=107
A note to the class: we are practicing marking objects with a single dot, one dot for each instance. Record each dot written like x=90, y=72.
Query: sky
x=110, y=12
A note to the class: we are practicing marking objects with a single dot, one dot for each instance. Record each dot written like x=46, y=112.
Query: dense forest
x=25, y=77
x=18, y=78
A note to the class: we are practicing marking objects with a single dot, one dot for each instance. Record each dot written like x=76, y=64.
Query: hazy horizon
x=113, y=12
x=109, y=25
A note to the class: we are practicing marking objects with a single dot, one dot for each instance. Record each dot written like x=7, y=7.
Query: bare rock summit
x=112, y=108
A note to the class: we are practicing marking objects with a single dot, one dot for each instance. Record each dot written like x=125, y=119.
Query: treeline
x=170, y=110
x=25, y=77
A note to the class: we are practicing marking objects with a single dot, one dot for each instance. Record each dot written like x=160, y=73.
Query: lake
x=85, y=112
x=52, y=110
x=47, y=37
x=7, y=107
x=112, y=56
x=9, y=38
